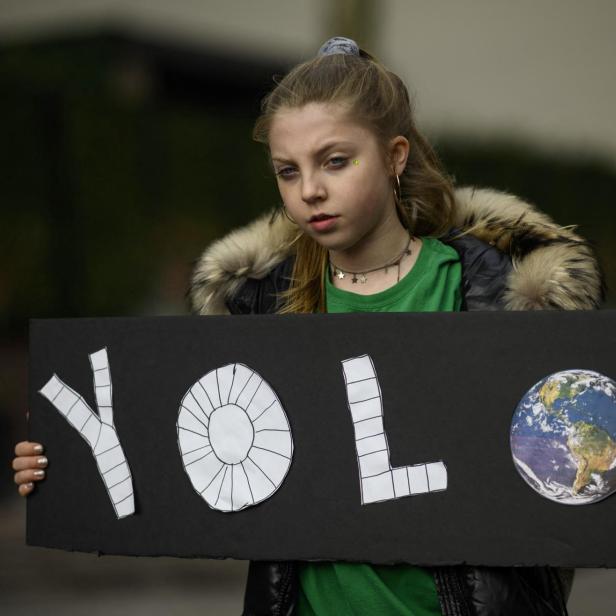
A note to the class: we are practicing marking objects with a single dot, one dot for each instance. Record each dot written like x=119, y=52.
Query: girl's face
x=331, y=175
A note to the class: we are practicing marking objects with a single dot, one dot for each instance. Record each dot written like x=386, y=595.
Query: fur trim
x=248, y=252
x=553, y=267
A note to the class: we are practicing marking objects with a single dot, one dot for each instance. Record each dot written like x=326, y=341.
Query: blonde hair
x=377, y=99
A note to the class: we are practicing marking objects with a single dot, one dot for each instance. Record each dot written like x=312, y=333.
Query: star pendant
x=340, y=274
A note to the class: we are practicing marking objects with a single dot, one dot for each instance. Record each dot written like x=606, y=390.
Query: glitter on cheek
x=356, y=162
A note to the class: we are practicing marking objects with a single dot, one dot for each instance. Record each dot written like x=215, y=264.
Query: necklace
x=361, y=276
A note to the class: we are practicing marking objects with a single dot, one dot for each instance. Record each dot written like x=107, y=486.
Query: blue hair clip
x=339, y=44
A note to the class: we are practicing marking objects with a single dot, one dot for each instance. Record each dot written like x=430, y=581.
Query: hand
x=28, y=463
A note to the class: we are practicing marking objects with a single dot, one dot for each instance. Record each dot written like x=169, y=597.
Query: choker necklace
x=361, y=276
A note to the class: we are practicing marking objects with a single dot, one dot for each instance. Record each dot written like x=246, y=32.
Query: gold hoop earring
x=403, y=213
x=284, y=211
x=397, y=193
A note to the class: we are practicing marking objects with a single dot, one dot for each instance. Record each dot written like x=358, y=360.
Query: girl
x=370, y=222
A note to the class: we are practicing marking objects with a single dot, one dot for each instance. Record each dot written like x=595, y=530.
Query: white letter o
x=234, y=438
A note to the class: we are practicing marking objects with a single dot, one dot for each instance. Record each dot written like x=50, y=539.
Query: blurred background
x=127, y=149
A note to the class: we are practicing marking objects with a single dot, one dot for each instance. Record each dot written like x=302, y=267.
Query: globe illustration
x=563, y=437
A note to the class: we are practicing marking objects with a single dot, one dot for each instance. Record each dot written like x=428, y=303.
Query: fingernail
x=38, y=448
x=29, y=485
x=41, y=461
x=39, y=473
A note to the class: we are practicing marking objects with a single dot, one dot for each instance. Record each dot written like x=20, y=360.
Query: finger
x=24, y=462
x=29, y=475
x=27, y=448
x=25, y=488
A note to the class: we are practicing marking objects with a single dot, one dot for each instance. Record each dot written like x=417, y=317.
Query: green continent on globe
x=559, y=389
x=593, y=449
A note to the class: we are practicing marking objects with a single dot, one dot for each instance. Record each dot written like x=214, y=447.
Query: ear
x=398, y=150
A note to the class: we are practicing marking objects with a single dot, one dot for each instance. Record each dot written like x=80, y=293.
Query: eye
x=285, y=173
x=338, y=161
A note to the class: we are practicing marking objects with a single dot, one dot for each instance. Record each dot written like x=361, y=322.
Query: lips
x=317, y=217
x=323, y=223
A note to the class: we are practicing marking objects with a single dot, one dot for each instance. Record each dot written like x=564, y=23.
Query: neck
x=383, y=244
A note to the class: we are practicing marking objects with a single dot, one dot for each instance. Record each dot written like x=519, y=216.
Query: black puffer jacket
x=513, y=257
x=484, y=277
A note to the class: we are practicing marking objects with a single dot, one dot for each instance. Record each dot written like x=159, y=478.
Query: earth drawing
x=563, y=437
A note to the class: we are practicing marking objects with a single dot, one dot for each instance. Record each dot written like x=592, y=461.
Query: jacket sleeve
x=271, y=589
x=501, y=591
x=533, y=591
x=261, y=296
x=485, y=271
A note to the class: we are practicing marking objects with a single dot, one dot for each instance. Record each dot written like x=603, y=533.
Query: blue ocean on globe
x=563, y=437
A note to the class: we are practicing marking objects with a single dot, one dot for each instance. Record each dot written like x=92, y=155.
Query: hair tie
x=339, y=44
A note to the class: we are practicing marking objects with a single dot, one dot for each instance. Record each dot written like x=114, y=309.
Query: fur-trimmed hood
x=553, y=267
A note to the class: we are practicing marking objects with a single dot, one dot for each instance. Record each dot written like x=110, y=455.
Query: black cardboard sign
x=449, y=384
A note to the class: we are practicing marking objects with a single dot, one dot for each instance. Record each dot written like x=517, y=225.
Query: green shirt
x=345, y=589
x=433, y=284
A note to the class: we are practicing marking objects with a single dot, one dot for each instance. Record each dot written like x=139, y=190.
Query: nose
x=312, y=188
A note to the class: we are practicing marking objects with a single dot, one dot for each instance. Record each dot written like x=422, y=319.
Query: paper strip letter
x=98, y=432
x=234, y=437
x=378, y=480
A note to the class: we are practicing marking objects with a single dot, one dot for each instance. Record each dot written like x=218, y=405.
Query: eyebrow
x=324, y=148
